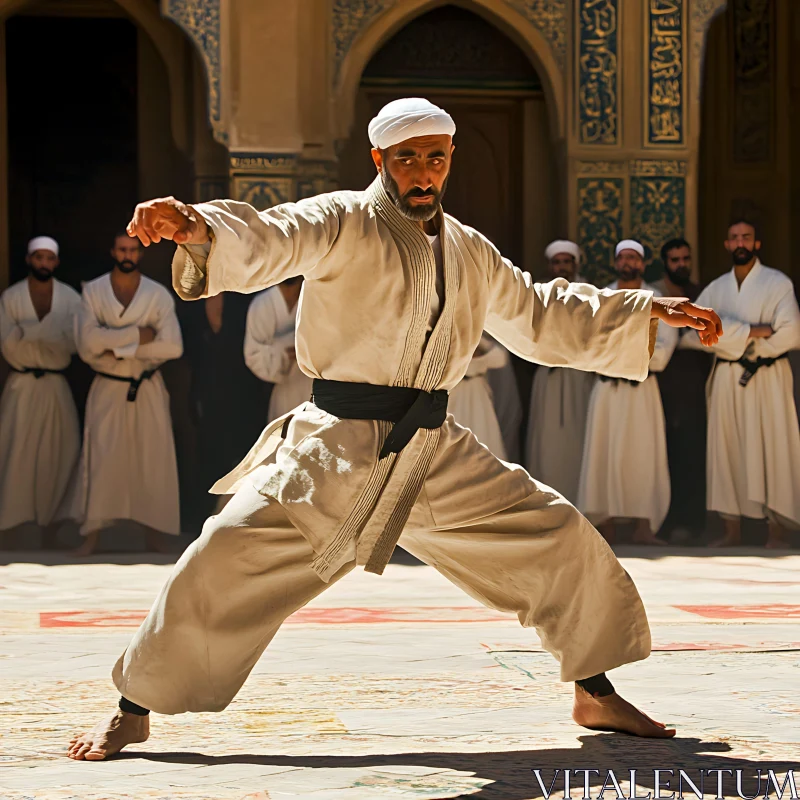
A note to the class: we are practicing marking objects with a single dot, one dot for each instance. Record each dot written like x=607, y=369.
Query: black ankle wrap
x=131, y=708
x=597, y=685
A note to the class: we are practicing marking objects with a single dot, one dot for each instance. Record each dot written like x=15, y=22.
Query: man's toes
x=83, y=750
x=95, y=754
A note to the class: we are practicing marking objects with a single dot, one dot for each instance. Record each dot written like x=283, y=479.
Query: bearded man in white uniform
x=395, y=300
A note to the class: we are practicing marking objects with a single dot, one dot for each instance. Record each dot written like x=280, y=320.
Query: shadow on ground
x=510, y=775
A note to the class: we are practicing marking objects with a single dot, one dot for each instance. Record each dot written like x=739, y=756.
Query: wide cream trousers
x=250, y=569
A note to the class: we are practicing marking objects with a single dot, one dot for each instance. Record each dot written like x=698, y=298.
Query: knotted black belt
x=408, y=409
x=751, y=366
x=37, y=372
x=135, y=383
x=607, y=379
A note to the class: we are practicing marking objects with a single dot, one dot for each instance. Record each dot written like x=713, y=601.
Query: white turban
x=407, y=118
x=562, y=246
x=42, y=243
x=629, y=244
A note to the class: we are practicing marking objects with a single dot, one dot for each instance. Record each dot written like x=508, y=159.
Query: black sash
x=135, y=383
x=607, y=379
x=409, y=409
x=751, y=366
x=37, y=372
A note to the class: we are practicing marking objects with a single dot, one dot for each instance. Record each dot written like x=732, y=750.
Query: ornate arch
x=366, y=25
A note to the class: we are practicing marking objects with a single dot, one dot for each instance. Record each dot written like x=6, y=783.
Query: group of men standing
x=124, y=327
x=639, y=451
x=578, y=434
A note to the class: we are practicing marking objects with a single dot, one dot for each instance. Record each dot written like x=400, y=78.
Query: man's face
x=629, y=265
x=126, y=253
x=562, y=265
x=742, y=243
x=679, y=265
x=415, y=173
x=41, y=264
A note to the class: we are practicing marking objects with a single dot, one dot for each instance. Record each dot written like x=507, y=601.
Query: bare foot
x=778, y=537
x=608, y=530
x=155, y=542
x=612, y=713
x=647, y=537
x=109, y=736
x=728, y=540
x=88, y=547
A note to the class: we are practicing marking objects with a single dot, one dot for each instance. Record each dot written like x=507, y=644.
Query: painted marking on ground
x=768, y=611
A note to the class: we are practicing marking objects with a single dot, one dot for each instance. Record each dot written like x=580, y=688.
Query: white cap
x=629, y=244
x=42, y=243
x=562, y=246
x=406, y=119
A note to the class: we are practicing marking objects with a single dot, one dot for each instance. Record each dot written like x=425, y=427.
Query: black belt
x=409, y=409
x=607, y=379
x=135, y=383
x=37, y=372
x=751, y=366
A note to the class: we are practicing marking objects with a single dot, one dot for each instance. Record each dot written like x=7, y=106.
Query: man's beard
x=628, y=275
x=39, y=274
x=125, y=266
x=741, y=256
x=409, y=211
x=682, y=276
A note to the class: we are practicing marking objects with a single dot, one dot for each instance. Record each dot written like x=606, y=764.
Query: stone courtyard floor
x=401, y=686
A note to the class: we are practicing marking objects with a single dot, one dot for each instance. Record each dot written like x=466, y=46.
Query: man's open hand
x=680, y=313
x=167, y=218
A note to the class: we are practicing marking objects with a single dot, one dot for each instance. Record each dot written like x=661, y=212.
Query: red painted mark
x=769, y=611
x=305, y=616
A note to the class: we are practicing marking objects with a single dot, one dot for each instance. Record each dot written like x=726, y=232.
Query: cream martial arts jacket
x=370, y=277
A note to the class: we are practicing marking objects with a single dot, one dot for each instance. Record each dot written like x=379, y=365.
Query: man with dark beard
x=127, y=328
x=753, y=434
x=395, y=299
x=39, y=434
x=682, y=385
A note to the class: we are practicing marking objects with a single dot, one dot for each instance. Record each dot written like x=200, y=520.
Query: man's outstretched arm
x=226, y=245
x=580, y=326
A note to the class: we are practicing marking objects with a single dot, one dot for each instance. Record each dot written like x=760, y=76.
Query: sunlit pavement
x=401, y=686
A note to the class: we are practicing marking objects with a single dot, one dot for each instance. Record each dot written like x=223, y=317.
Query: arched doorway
x=749, y=159
x=95, y=119
x=503, y=181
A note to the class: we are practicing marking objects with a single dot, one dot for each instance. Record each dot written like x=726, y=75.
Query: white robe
x=753, y=435
x=471, y=402
x=625, y=473
x=356, y=248
x=507, y=406
x=557, y=427
x=128, y=466
x=269, y=334
x=39, y=430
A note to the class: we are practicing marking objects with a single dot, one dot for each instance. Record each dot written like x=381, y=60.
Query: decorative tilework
x=665, y=79
x=200, y=19
x=658, y=211
x=349, y=18
x=264, y=192
x=549, y=17
x=598, y=101
x=600, y=204
x=701, y=15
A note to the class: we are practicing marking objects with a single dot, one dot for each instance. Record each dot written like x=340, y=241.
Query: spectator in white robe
x=507, y=406
x=39, y=430
x=471, y=402
x=625, y=473
x=269, y=346
x=127, y=329
x=559, y=401
x=753, y=453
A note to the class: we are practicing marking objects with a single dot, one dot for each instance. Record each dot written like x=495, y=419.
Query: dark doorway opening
x=72, y=137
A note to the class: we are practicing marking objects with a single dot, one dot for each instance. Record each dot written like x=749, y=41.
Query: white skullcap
x=407, y=118
x=42, y=243
x=629, y=244
x=562, y=246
